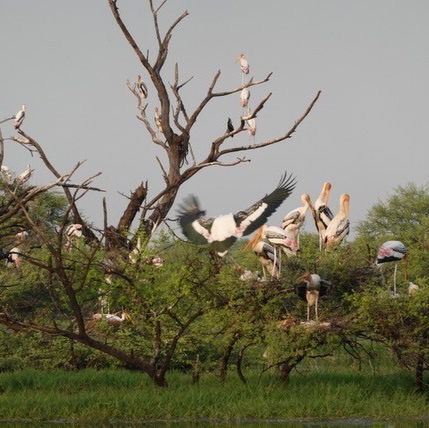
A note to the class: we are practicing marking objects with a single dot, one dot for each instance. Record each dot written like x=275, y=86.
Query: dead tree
x=174, y=122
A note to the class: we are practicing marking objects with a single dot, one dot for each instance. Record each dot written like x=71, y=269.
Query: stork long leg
x=316, y=310
x=394, y=279
x=274, y=261
x=308, y=312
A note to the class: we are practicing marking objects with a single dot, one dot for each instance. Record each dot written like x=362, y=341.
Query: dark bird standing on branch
x=230, y=126
x=222, y=231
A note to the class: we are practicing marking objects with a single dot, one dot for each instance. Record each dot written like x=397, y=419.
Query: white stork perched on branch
x=244, y=97
x=24, y=176
x=321, y=213
x=19, y=117
x=222, y=231
x=244, y=64
x=339, y=227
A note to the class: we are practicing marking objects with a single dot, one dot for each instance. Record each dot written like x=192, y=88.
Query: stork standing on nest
x=265, y=253
x=297, y=216
x=310, y=288
x=222, y=231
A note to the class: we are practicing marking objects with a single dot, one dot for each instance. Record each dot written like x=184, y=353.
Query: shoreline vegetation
x=327, y=395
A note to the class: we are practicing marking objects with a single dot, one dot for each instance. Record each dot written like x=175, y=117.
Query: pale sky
x=368, y=133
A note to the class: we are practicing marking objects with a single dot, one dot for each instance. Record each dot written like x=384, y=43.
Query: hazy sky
x=368, y=133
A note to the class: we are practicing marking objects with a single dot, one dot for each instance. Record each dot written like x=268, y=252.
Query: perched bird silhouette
x=229, y=126
x=222, y=231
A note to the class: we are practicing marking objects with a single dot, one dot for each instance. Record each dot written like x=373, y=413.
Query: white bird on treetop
x=21, y=236
x=19, y=117
x=142, y=87
x=310, y=288
x=244, y=65
x=339, y=227
x=222, y=231
x=251, y=126
x=158, y=119
x=13, y=258
x=244, y=97
x=322, y=215
x=24, y=176
x=392, y=251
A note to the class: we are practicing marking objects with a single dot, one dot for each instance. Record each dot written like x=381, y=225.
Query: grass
x=89, y=395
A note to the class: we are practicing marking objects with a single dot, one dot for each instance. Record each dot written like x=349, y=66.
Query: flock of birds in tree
x=221, y=232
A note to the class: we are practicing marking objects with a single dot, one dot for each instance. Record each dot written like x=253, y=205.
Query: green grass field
x=90, y=396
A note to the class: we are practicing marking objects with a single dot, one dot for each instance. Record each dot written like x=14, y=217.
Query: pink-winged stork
x=322, y=215
x=244, y=97
x=310, y=287
x=392, y=251
x=339, y=226
x=72, y=232
x=19, y=117
x=297, y=216
x=244, y=64
x=266, y=255
x=280, y=239
x=222, y=231
x=251, y=126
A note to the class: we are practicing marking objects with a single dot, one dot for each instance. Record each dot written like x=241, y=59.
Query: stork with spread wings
x=222, y=231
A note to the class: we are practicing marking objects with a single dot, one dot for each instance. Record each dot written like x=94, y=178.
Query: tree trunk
x=226, y=356
x=419, y=372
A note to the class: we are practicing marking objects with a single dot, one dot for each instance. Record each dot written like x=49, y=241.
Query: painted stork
x=244, y=97
x=244, y=65
x=297, y=216
x=412, y=288
x=265, y=253
x=5, y=173
x=112, y=319
x=280, y=239
x=19, y=117
x=310, y=288
x=158, y=119
x=339, y=227
x=251, y=126
x=142, y=88
x=24, y=176
x=321, y=213
x=222, y=231
x=73, y=231
x=13, y=258
x=21, y=237
x=392, y=251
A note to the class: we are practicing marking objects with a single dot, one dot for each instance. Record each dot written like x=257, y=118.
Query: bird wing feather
x=256, y=215
x=301, y=290
x=194, y=226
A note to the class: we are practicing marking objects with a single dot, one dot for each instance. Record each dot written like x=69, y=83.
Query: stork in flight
x=19, y=117
x=310, y=287
x=321, y=213
x=339, y=226
x=222, y=231
x=392, y=251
